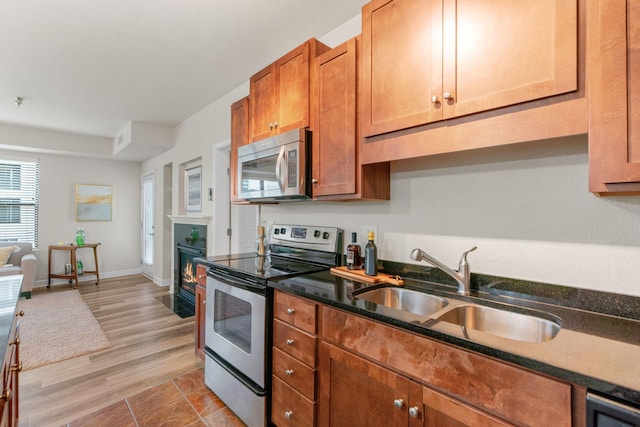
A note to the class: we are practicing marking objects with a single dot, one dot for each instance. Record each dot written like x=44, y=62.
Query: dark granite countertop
x=598, y=346
x=9, y=295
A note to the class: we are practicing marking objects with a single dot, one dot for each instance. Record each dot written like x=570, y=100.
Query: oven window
x=232, y=320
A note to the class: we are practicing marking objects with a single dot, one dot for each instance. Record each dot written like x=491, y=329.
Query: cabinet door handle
x=7, y=395
x=289, y=342
x=398, y=403
x=275, y=125
x=314, y=181
x=447, y=95
x=289, y=372
x=17, y=367
x=290, y=311
x=414, y=412
x=434, y=99
x=288, y=414
x=21, y=313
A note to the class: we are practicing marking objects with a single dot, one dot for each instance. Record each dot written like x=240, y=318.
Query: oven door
x=236, y=326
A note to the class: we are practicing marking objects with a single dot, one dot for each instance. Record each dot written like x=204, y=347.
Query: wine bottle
x=354, y=259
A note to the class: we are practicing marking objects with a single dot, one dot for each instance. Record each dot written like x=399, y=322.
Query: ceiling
x=91, y=66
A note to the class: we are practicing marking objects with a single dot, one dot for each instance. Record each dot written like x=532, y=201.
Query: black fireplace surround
x=190, y=242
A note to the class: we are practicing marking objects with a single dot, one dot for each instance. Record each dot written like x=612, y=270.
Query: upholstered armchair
x=18, y=258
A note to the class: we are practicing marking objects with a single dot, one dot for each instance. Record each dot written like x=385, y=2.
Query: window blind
x=19, y=201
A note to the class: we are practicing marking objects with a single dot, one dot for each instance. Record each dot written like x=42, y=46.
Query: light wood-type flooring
x=152, y=356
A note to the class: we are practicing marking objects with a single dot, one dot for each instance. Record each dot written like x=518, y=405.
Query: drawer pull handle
x=289, y=372
x=21, y=313
x=17, y=367
x=414, y=412
x=288, y=414
x=289, y=342
x=7, y=395
x=290, y=311
x=398, y=403
x=15, y=342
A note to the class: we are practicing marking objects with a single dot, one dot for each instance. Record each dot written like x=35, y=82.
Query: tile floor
x=182, y=402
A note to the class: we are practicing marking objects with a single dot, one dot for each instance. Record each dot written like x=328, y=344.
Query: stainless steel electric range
x=238, y=330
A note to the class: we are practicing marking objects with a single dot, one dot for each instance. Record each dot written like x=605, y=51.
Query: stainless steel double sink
x=427, y=309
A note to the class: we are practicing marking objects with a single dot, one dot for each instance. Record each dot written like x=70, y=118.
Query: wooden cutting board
x=360, y=276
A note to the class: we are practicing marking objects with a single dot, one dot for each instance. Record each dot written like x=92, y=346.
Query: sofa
x=18, y=258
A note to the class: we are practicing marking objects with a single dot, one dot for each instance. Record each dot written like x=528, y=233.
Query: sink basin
x=405, y=299
x=507, y=324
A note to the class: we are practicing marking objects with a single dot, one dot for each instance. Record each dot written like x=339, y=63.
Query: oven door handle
x=229, y=279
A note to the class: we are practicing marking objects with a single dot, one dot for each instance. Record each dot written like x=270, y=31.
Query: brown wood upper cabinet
x=429, y=60
x=336, y=171
x=279, y=94
x=614, y=96
x=239, y=137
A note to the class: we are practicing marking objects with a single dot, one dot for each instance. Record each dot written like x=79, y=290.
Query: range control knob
x=283, y=230
x=325, y=235
x=316, y=233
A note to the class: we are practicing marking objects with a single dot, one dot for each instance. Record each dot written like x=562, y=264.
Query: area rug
x=56, y=327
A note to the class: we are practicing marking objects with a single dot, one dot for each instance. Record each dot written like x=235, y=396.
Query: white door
x=147, y=226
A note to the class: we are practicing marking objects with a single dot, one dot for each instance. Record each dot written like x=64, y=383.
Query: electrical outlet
x=365, y=233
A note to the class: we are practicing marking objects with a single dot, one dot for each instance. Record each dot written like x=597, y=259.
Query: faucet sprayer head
x=416, y=254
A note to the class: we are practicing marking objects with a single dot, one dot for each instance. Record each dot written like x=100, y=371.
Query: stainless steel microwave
x=276, y=168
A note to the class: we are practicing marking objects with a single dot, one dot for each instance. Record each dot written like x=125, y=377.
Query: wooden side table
x=72, y=254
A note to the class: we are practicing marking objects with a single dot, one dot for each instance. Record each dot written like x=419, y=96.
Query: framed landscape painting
x=93, y=202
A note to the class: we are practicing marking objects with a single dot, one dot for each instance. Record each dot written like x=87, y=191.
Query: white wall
x=525, y=206
x=119, y=253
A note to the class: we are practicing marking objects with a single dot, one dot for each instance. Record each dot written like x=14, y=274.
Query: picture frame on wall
x=93, y=202
x=193, y=189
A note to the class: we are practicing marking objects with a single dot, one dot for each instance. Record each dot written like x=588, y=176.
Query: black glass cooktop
x=262, y=268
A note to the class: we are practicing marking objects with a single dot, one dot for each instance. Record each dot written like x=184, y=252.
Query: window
x=19, y=201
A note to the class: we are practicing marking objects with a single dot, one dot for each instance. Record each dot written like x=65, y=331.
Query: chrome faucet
x=462, y=276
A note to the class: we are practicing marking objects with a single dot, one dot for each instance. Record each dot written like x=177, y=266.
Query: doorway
x=147, y=225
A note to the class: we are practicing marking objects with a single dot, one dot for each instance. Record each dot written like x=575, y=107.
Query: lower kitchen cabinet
x=294, y=361
x=454, y=386
x=335, y=368
x=201, y=299
x=359, y=393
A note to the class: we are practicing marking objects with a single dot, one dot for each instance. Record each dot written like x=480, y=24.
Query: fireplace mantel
x=188, y=219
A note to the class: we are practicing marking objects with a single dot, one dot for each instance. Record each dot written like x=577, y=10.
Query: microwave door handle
x=281, y=169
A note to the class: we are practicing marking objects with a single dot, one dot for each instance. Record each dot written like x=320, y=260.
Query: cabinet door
x=614, y=97
x=292, y=71
x=401, y=64
x=334, y=128
x=357, y=393
x=429, y=408
x=239, y=137
x=500, y=52
x=263, y=102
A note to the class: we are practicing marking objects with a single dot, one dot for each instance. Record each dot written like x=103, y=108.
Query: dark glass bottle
x=354, y=259
x=370, y=257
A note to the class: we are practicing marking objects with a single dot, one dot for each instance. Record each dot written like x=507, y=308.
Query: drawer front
x=290, y=408
x=294, y=373
x=294, y=342
x=296, y=311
